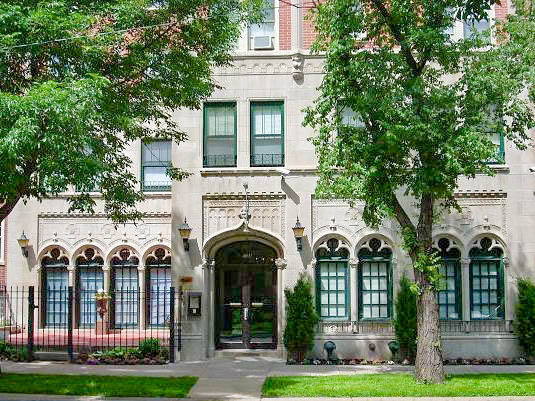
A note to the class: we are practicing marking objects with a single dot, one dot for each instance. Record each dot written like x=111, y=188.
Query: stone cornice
x=491, y=193
x=241, y=195
x=255, y=171
x=94, y=215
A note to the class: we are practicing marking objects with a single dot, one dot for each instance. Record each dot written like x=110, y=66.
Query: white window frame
x=244, y=41
x=458, y=26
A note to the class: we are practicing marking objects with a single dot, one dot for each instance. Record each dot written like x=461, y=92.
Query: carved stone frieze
x=223, y=211
x=72, y=231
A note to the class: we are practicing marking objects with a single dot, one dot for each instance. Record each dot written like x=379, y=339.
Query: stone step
x=240, y=353
x=52, y=356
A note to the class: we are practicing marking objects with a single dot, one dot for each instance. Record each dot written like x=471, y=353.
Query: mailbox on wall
x=194, y=303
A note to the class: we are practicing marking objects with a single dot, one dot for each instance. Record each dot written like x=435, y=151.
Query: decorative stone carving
x=354, y=263
x=224, y=211
x=313, y=263
x=281, y=263
x=297, y=66
x=208, y=264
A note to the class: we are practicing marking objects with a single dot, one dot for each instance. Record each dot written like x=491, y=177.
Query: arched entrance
x=246, y=296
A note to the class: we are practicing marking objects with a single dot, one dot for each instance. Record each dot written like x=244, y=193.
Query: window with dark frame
x=486, y=281
x=267, y=134
x=375, y=281
x=449, y=296
x=332, y=280
x=55, y=279
x=89, y=279
x=125, y=289
x=155, y=160
x=159, y=284
x=219, y=134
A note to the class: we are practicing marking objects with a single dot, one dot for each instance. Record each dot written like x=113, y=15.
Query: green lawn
x=399, y=385
x=109, y=386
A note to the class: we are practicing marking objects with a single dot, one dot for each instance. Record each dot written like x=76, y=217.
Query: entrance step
x=240, y=353
x=52, y=356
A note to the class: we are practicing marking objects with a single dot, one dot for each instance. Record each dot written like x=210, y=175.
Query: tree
x=81, y=80
x=301, y=318
x=524, y=324
x=405, y=319
x=404, y=111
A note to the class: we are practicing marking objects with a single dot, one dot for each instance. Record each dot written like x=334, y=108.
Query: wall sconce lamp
x=23, y=243
x=299, y=232
x=185, y=230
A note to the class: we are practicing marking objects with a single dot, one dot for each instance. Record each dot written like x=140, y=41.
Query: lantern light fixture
x=299, y=232
x=185, y=230
x=23, y=243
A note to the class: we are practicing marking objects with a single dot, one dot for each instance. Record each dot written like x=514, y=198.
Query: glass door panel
x=91, y=280
x=262, y=309
x=231, y=306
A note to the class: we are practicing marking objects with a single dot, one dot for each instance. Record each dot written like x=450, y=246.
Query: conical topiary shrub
x=524, y=324
x=405, y=321
x=301, y=319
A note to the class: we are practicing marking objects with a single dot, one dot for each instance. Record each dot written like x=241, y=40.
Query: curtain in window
x=220, y=135
x=156, y=158
x=267, y=134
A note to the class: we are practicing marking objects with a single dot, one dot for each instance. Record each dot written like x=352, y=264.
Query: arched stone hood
x=242, y=232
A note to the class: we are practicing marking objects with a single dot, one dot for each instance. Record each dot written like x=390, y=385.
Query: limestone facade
x=213, y=199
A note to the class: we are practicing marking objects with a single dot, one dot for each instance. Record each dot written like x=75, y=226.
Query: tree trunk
x=428, y=366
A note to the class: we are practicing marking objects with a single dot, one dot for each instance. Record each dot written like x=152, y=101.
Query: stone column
x=107, y=278
x=142, y=296
x=208, y=305
x=465, y=290
x=509, y=306
x=281, y=265
x=353, y=287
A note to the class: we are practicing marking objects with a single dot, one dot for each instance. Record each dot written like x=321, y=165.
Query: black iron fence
x=64, y=319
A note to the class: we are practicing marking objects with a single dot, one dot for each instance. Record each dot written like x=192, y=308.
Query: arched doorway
x=246, y=296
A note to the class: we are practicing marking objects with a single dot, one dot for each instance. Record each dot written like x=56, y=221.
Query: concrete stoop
x=241, y=353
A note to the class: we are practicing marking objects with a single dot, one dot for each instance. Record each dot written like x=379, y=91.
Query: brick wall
x=309, y=33
x=285, y=25
x=501, y=10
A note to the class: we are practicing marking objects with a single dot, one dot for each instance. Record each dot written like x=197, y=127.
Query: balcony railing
x=219, y=161
x=156, y=186
x=386, y=327
x=267, y=160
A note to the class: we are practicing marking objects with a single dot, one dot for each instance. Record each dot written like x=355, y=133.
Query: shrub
x=405, y=323
x=301, y=318
x=149, y=347
x=524, y=325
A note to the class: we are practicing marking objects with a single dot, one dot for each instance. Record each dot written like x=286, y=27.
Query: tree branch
x=394, y=28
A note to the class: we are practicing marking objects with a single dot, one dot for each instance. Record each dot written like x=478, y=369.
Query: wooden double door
x=246, y=306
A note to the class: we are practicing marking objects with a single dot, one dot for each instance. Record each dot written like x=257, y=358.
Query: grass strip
x=107, y=386
x=400, y=385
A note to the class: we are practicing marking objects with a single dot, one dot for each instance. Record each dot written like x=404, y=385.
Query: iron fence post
x=172, y=325
x=69, y=323
x=31, y=306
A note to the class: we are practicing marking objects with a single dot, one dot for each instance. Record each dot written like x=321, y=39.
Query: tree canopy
x=406, y=109
x=81, y=80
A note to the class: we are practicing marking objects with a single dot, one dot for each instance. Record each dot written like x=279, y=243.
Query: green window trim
x=323, y=275
x=500, y=152
x=449, y=265
x=270, y=159
x=154, y=186
x=228, y=159
x=482, y=301
x=376, y=292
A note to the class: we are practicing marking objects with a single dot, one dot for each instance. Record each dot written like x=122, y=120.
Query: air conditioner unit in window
x=262, y=43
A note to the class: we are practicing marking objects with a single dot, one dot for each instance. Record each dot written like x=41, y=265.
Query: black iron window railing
x=219, y=161
x=267, y=160
x=156, y=186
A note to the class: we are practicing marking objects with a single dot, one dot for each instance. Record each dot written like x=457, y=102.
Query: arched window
x=158, y=266
x=486, y=280
x=89, y=279
x=449, y=296
x=55, y=279
x=375, y=280
x=332, y=281
x=125, y=289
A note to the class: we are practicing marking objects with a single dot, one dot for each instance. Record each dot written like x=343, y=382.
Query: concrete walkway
x=240, y=377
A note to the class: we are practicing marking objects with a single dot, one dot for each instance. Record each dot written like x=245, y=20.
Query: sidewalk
x=238, y=378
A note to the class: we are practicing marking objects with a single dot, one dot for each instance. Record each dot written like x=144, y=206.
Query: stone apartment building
x=251, y=190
